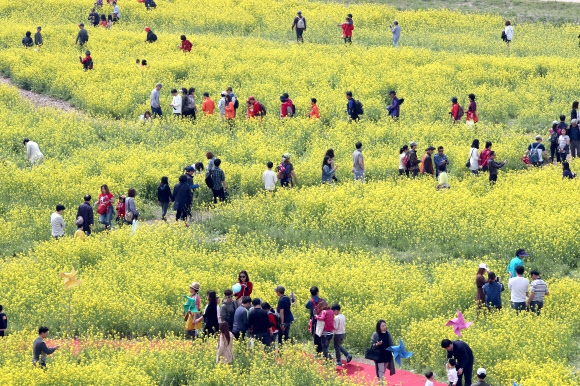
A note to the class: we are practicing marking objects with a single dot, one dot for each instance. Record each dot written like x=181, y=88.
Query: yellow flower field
x=391, y=248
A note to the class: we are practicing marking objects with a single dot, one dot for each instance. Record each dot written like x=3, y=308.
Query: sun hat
x=286, y=155
x=195, y=285
x=555, y=123
x=484, y=266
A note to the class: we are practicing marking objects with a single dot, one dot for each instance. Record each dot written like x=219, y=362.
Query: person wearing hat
x=38, y=36
x=300, y=25
x=413, y=161
x=57, y=222
x=427, y=167
x=394, y=108
x=154, y=100
x=479, y=283
x=481, y=374
x=82, y=35
x=283, y=309
x=536, y=150
x=538, y=289
x=286, y=173
x=151, y=37
x=87, y=61
x=396, y=32
x=456, y=111
x=516, y=261
x=222, y=104
x=191, y=316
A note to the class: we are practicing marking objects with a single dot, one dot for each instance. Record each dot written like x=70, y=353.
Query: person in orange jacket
x=314, y=110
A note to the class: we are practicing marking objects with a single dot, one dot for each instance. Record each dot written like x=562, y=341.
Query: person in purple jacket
x=394, y=108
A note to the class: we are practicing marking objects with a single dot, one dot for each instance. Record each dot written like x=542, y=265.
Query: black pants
x=299, y=37
x=465, y=378
x=492, y=178
x=181, y=214
x=553, y=150
x=218, y=193
x=348, y=39
x=404, y=171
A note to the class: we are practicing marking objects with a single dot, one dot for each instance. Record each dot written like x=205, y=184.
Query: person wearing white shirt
x=33, y=154
x=222, y=105
x=116, y=11
x=474, y=157
x=176, y=102
x=339, y=334
x=269, y=178
x=57, y=222
x=509, y=33
x=519, y=287
x=430, y=377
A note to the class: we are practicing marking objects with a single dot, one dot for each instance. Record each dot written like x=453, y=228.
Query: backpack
x=88, y=65
x=190, y=103
x=300, y=24
x=460, y=112
x=153, y=38
x=503, y=36
x=236, y=104
x=554, y=137
x=406, y=160
x=209, y=180
x=358, y=108
x=401, y=101
x=534, y=154
x=277, y=317
x=282, y=172
x=262, y=109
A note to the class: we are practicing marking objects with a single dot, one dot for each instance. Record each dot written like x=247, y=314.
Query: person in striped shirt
x=538, y=289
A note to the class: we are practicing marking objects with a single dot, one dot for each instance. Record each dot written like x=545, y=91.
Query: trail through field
x=40, y=100
x=365, y=374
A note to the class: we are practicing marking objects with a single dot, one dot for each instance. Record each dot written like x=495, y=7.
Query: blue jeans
x=156, y=111
x=325, y=342
x=518, y=306
x=284, y=334
x=105, y=219
x=264, y=337
x=536, y=306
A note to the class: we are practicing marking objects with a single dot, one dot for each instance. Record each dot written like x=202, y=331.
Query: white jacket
x=176, y=104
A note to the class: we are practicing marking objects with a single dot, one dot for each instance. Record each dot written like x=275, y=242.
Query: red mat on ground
x=366, y=375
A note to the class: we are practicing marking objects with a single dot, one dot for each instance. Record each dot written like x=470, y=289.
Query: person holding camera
x=492, y=290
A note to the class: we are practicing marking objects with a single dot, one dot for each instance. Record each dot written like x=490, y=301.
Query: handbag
x=373, y=354
x=129, y=217
x=319, y=327
x=102, y=209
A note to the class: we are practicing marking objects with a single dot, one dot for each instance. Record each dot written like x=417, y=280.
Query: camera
x=498, y=279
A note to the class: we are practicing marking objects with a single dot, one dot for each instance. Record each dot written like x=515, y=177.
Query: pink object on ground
x=366, y=375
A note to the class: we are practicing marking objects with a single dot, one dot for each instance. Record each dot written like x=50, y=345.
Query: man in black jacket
x=86, y=212
x=182, y=198
x=464, y=357
x=82, y=36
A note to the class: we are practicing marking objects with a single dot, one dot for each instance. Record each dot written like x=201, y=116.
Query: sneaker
x=338, y=364
x=348, y=358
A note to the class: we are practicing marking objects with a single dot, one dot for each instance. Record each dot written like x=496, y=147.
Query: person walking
x=463, y=356
x=222, y=104
x=455, y=112
x=351, y=107
x=330, y=153
x=27, y=40
x=538, y=289
x=241, y=318
x=484, y=156
x=474, y=157
x=269, y=178
x=563, y=145
x=131, y=212
x=347, y=28
x=116, y=12
x=395, y=108
x=472, y=109
x=82, y=35
x=492, y=290
x=210, y=161
x=554, y=134
x=220, y=186
x=85, y=210
x=314, y=113
x=396, y=32
x=574, y=113
x=246, y=284
x=493, y=166
x=311, y=305
x=286, y=173
x=104, y=205
x=574, y=134
x=259, y=323
x=509, y=33
x=164, y=196
x=358, y=163
x=440, y=159
x=519, y=287
x=300, y=25
x=536, y=150
x=208, y=105
x=228, y=309
x=225, y=352
x=182, y=199
x=211, y=314
x=192, y=319
x=39, y=348
x=427, y=167
x=412, y=159
x=154, y=101
x=479, y=283
x=176, y=103
x=3, y=322
x=339, y=335
x=403, y=160
x=33, y=153
x=327, y=170
x=515, y=262
x=38, y=37
x=325, y=316
x=286, y=317
x=382, y=340
x=57, y=222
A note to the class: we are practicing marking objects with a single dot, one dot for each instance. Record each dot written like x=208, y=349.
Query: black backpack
x=554, y=137
x=236, y=104
x=88, y=65
x=153, y=38
x=401, y=101
x=262, y=109
x=358, y=108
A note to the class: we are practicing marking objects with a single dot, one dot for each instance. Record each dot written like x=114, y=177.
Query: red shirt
x=246, y=289
x=255, y=111
x=121, y=209
x=106, y=199
x=455, y=111
x=328, y=317
x=347, y=29
x=186, y=45
x=272, y=318
x=284, y=107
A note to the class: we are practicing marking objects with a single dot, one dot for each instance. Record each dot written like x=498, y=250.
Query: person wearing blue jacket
x=574, y=134
x=350, y=107
x=394, y=108
x=492, y=290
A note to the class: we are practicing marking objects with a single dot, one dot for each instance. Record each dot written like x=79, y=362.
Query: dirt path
x=40, y=100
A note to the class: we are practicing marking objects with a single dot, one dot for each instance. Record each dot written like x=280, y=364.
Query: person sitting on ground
x=27, y=40
x=80, y=233
x=151, y=37
x=566, y=172
x=87, y=61
x=185, y=44
x=103, y=22
x=94, y=18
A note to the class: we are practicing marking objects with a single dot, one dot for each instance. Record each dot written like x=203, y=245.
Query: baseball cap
x=286, y=155
x=481, y=371
x=430, y=148
x=413, y=144
x=189, y=168
x=521, y=253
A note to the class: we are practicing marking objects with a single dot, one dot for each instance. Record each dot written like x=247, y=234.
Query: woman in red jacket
x=244, y=280
x=472, y=109
x=484, y=156
x=326, y=316
x=347, y=28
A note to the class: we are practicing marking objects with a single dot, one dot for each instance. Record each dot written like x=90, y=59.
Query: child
x=121, y=210
x=313, y=109
x=80, y=233
x=144, y=63
x=103, y=21
x=452, y=372
x=87, y=61
x=493, y=166
x=430, y=378
x=347, y=28
x=185, y=44
x=443, y=179
x=269, y=178
x=208, y=105
x=273, y=320
x=339, y=334
x=176, y=103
